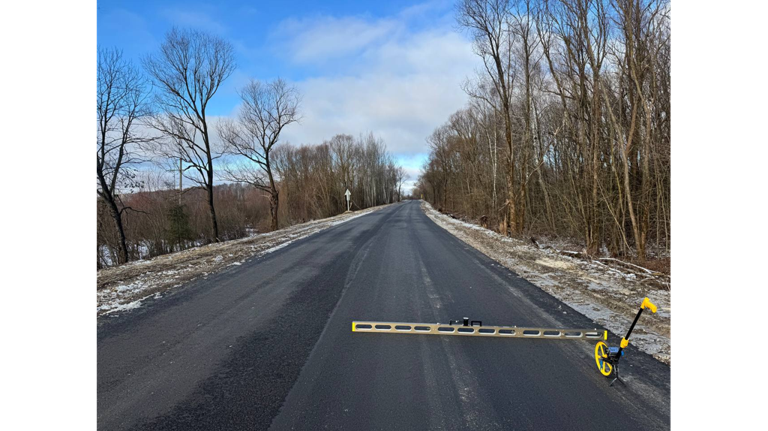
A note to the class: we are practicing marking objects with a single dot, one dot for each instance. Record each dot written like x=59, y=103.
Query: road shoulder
x=605, y=294
x=125, y=287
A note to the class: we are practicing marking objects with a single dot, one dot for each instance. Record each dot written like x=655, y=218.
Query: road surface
x=268, y=345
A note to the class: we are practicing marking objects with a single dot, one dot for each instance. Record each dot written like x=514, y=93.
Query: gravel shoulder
x=608, y=292
x=125, y=287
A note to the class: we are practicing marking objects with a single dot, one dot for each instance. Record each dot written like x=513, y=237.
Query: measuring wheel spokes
x=601, y=358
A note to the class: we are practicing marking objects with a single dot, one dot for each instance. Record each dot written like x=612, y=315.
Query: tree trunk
x=273, y=207
x=118, y=218
x=511, y=216
x=214, y=222
x=98, y=255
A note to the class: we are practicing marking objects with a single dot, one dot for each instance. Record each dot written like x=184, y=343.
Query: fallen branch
x=627, y=264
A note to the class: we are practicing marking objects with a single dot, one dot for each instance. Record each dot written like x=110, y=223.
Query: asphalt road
x=268, y=344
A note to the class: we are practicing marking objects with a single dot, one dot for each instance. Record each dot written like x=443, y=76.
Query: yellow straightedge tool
x=475, y=328
x=607, y=358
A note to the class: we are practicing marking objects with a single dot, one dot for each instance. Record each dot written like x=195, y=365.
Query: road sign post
x=347, y=194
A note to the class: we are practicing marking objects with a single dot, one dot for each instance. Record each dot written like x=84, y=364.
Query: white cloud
x=322, y=39
x=397, y=83
x=399, y=77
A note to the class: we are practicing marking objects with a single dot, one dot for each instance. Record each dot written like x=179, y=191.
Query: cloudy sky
x=394, y=68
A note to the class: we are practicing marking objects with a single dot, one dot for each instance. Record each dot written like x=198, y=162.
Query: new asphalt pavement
x=268, y=345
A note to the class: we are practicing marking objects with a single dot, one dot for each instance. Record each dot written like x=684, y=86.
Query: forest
x=567, y=130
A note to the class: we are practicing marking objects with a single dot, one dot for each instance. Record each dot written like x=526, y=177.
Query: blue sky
x=394, y=68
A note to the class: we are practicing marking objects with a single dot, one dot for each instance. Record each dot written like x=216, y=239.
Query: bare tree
x=315, y=177
x=343, y=148
x=400, y=178
x=188, y=71
x=590, y=116
x=488, y=21
x=267, y=109
x=120, y=105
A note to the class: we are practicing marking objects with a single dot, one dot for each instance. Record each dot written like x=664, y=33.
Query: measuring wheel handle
x=647, y=303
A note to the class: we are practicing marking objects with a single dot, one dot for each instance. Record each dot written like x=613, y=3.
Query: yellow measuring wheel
x=607, y=358
x=601, y=354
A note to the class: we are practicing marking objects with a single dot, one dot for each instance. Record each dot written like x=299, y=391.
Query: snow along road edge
x=605, y=294
x=124, y=287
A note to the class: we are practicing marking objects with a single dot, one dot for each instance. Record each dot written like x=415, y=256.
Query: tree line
x=163, y=220
x=158, y=115
x=315, y=178
x=567, y=131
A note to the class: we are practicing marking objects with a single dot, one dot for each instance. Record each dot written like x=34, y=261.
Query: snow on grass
x=124, y=287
